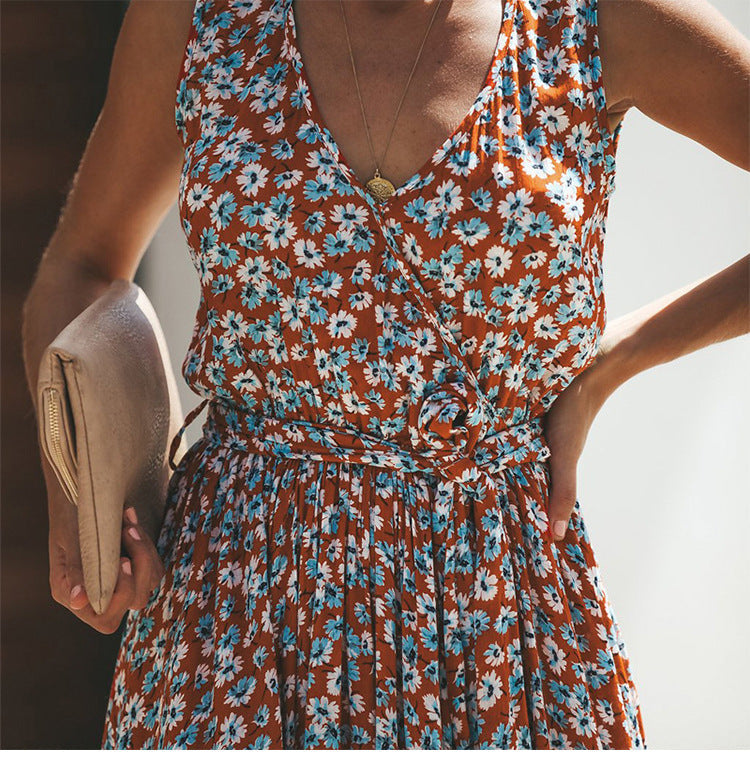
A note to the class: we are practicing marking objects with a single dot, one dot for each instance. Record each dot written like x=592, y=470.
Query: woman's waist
x=448, y=451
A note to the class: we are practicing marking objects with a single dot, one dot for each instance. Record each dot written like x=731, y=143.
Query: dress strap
x=189, y=418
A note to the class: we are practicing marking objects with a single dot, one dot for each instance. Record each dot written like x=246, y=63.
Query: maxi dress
x=357, y=548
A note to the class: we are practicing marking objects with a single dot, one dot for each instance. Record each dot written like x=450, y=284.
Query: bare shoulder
x=683, y=64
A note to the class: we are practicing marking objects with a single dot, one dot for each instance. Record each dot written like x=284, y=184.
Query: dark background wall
x=55, y=63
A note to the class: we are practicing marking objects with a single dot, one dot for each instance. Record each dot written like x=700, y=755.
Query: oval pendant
x=380, y=188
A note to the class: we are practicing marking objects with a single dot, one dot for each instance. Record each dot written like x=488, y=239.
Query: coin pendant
x=380, y=188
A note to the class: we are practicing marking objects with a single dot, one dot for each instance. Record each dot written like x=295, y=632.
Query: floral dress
x=357, y=548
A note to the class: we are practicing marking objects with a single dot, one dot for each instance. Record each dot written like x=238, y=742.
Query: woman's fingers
x=563, y=490
x=124, y=594
x=65, y=572
x=122, y=600
x=109, y=621
x=566, y=427
x=141, y=570
x=148, y=567
x=58, y=584
x=78, y=596
x=141, y=536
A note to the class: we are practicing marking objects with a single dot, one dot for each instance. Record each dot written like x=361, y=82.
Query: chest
x=498, y=232
x=408, y=75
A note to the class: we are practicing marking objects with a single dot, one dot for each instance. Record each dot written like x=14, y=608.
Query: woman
x=376, y=542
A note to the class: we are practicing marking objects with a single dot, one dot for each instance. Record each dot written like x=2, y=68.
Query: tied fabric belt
x=445, y=445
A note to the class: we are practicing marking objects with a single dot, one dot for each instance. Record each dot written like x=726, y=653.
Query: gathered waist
x=236, y=427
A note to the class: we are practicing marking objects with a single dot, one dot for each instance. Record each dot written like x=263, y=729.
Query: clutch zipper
x=55, y=442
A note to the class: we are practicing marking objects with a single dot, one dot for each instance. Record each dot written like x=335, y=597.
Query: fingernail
x=133, y=532
x=130, y=515
x=75, y=591
x=560, y=527
x=126, y=567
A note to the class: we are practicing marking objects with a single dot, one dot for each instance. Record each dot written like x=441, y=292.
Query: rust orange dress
x=357, y=548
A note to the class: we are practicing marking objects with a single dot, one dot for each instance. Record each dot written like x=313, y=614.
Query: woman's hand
x=140, y=572
x=566, y=426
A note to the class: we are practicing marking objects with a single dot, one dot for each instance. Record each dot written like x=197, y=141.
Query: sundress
x=357, y=549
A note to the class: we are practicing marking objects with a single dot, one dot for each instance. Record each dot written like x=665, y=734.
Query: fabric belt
x=471, y=467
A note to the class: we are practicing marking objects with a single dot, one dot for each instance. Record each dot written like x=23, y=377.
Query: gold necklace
x=381, y=188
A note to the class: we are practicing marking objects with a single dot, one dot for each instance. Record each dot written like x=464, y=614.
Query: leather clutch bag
x=107, y=410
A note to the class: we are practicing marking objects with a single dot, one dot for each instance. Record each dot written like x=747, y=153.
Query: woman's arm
x=681, y=63
x=125, y=183
x=707, y=311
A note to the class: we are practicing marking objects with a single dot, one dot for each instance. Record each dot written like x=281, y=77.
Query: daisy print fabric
x=357, y=548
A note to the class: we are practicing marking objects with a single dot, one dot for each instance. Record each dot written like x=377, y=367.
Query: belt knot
x=449, y=420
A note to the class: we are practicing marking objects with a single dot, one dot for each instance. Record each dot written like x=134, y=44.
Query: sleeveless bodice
x=483, y=270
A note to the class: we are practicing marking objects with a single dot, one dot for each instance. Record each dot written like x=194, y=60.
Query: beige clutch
x=108, y=409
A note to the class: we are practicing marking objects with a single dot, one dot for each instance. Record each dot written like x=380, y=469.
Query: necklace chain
x=380, y=187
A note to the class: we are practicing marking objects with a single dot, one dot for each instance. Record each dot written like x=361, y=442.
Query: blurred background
x=54, y=670
x=662, y=482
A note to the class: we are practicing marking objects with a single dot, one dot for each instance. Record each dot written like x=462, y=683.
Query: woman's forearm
x=708, y=311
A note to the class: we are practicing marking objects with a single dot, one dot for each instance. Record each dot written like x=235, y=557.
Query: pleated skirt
x=311, y=604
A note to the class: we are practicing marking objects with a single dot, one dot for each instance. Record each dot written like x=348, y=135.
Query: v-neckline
x=315, y=114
